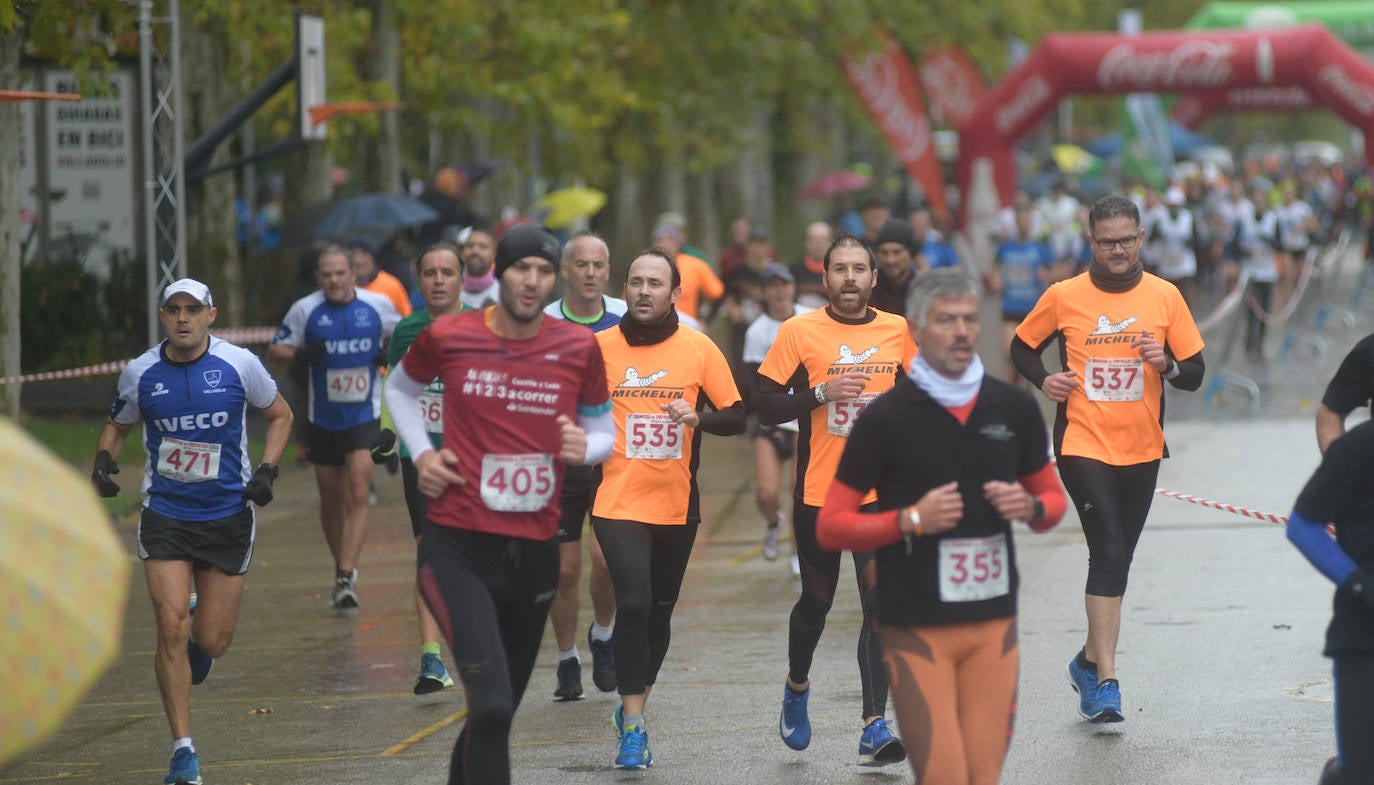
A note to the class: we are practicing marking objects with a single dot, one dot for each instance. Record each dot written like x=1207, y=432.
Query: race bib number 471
x=517, y=483
x=186, y=461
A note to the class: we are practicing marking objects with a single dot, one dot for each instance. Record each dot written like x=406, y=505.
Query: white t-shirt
x=759, y=338
x=488, y=296
x=1294, y=220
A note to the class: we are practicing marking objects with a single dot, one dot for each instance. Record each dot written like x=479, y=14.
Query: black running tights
x=820, y=576
x=1112, y=504
x=490, y=595
x=647, y=563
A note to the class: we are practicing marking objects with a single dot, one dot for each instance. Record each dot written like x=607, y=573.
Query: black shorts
x=783, y=440
x=576, y=500
x=331, y=448
x=224, y=543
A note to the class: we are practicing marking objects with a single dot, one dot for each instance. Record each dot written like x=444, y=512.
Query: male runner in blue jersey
x=339, y=332
x=197, y=528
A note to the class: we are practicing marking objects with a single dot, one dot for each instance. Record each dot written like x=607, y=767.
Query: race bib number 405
x=653, y=437
x=185, y=461
x=347, y=385
x=1115, y=379
x=974, y=568
x=517, y=483
x=840, y=415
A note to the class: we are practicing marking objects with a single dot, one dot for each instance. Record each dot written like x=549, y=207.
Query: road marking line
x=422, y=735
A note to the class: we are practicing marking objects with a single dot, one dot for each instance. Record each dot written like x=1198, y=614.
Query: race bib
x=432, y=411
x=840, y=415
x=517, y=483
x=653, y=437
x=347, y=385
x=974, y=568
x=1114, y=379
x=185, y=461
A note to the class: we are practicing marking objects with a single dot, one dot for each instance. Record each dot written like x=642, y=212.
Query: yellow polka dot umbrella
x=63, y=580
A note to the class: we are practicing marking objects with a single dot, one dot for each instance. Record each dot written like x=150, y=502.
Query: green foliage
x=70, y=318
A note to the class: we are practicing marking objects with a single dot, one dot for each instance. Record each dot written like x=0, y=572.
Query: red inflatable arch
x=1309, y=56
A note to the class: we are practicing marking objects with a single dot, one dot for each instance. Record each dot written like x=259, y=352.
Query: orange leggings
x=954, y=689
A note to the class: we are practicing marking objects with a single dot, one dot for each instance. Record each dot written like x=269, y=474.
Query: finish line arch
x=1310, y=57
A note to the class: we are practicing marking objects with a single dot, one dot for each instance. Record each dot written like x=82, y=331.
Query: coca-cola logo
x=1190, y=65
x=1358, y=94
x=1034, y=92
x=949, y=84
x=879, y=82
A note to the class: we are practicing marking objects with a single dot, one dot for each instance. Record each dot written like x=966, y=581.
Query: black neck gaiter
x=1108, y=281
x=639, y=334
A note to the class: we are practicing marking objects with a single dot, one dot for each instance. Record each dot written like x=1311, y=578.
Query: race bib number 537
x=1115, y=379
x=517, y=483
x=840, y=415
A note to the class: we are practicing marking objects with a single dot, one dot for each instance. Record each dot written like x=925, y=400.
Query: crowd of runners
x=518, y=417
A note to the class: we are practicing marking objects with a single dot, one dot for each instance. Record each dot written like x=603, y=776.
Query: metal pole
x=150, y=241
x=178, y=269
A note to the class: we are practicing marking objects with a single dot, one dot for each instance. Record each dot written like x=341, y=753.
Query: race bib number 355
x=347, y=385
x=517, y=483
x=1115, y=379
x=185, y=461
x=652, y=436
x=974, y=568
x=840, y=415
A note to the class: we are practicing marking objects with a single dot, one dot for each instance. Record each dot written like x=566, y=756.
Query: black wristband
x=1038, y=508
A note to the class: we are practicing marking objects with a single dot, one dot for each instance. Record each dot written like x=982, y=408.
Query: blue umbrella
x=395, y=211
x=1184, y=142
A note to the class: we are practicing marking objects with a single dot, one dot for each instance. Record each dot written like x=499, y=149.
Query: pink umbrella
x=836, y=183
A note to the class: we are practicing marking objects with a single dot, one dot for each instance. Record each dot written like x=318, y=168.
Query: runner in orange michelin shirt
x=946, y=559
x=668, y=386
x=1122, y=333
x=822, y=370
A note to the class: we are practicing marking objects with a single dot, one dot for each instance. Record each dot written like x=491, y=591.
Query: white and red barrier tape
x=238, y=335
x=1281, y=520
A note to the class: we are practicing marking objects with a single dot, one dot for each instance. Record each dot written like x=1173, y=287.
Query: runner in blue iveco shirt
x=197, y=528
x=339, y=332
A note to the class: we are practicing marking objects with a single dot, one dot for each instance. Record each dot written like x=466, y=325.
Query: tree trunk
x=379, y=157
x=11, y=45
x=212, y=252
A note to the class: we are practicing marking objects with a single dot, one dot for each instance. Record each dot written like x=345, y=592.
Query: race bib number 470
x=186, y=461
x=974, y=568
x=1114, y=379
x=517, y=483
x=347, y=385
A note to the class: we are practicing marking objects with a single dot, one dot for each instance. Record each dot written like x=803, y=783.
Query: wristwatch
x=821, y=397
x=1170, y=368
x=915, y=518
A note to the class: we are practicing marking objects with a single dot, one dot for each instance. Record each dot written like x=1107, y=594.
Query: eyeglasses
x=1126, y=243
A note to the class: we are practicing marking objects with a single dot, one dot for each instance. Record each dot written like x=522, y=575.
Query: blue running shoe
x=634, y=750
x=433, y=675
x=1084, y=682
x=878, y=747
x=185, y=768
x=201, y=663
x=1108, y=702
x=794, y=725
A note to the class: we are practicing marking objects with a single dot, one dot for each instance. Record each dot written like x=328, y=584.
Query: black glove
x=259, y=489
x=381, y=358
x=384, y=451
x=1361, y=585
x=309, y=353
x=100, y=475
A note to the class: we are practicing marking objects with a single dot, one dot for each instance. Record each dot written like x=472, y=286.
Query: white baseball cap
x=1174, y=196
x=199, y=291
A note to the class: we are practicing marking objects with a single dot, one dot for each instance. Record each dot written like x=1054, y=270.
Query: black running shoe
x=569, y=681
x=603, y=663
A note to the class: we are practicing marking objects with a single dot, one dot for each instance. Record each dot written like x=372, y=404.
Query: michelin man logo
x=1105, y=326
x=848, y=357
x=633, y=379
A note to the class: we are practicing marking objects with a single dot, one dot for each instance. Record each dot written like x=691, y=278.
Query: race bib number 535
x=652, y=436
x=517, y=483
